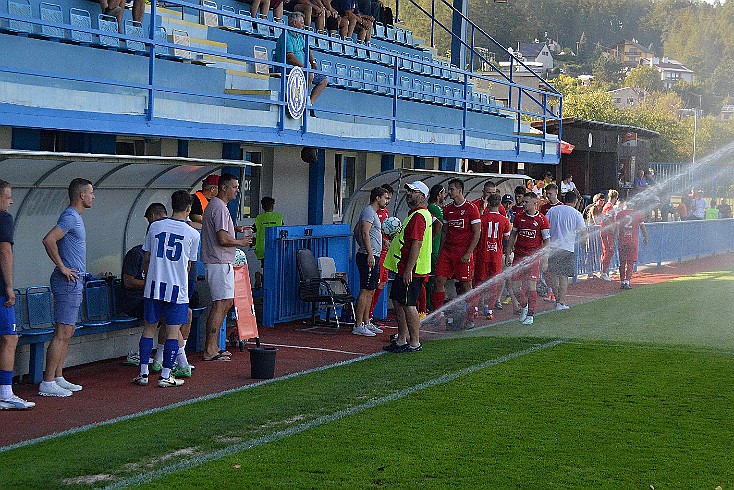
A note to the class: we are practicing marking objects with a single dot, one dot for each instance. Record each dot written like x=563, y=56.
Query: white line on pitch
x=315, y=348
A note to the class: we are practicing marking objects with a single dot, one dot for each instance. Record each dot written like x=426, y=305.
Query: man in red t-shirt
x=530, y=234
x=517, y=207
x=462, y=227
x=489, y=253
x=482, y=203
x=607, y=233
x=407, y=286
x=628, y=222
x=383, y=214
x=551, y=193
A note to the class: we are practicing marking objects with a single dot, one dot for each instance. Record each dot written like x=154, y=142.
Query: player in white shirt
x=171, y=248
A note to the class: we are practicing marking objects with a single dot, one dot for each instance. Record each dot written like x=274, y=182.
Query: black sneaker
x=392, y=346
x=407, y=348
x=393, y=337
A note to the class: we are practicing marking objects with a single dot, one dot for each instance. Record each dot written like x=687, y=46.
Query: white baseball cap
x=418, y=186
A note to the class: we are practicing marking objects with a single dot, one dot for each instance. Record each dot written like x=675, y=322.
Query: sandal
x=222, y=355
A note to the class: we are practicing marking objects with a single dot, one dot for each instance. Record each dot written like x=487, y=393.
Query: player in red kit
x=628, y=222
x=489, y=253
x=482, y=203
x=530, y=233
x=551, y=193
x=462, y=227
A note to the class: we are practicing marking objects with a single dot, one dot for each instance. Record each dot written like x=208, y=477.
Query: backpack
x=386, y=16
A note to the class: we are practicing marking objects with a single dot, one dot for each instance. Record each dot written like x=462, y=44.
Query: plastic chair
x=331, y=292
x=50, y=12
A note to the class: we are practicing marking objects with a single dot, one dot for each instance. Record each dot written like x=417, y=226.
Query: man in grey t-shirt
x=66, y=246
x=368, y=233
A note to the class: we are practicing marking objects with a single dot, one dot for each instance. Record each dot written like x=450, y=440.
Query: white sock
x=166, y=373
x=59, y=378
x=184, y=342
x=181, y=359
x=144, y=369
x=6, y=392
x=159, y=353
x=47, y=384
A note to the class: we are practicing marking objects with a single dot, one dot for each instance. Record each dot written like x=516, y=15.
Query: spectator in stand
x=410, y=257
x=259, y=9
x=640, y=183
x=545, y=181
x=371, y=8
x=66, y=246
x=334, y=22
x=607, y=233
x=724, y=209
x=683, y=208
x=698, y=207
x=567, y=185
x=565, y=223
x=530, y=234
x=712, y=212
x=8, y=334
x=368, y=233
x=310, y=10
x=264, y=220
x=293, y=45
x=200, y=198
x=531, y=187
x=629, y=222
x=650, y=177
x=362, y=23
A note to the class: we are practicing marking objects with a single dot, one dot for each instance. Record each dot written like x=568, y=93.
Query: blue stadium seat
x=20, y=8
x=350, y=49
x=459, y=96
x=355, y=73
x=418, y=90
x=134, y=28
x=399, y=35
x=381, y=78
x=323, y=44
x=390, y=33
x=379, y=31
x=96, y=304
x=117, y=315
x=209, y=19
x=337, y=46
x=50, y=12
x=229, y=21
x=368, y=76
x=80, y=18
x=107, y=23
x=246, y=24
x=340, y=70
x=40, y=307
x=438, y=94
x=405, y=90
x=449, y=95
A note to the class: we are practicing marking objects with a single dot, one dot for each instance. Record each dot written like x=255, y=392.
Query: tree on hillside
x=645, y=78
x=606, y=70
x=594, y=105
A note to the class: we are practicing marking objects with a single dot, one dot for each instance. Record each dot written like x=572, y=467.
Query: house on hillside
x=536, y=52
x=627, y=97
x=727, y=113
x=671, y=71
x=630, y=53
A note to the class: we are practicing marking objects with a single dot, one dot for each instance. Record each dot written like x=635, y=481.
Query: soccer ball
x=391, y=225
x=239, y=257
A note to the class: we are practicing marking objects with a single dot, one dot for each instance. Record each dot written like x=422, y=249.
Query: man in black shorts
x=409, y=256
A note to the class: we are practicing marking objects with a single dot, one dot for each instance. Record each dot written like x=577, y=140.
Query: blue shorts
x=7, y=318
x=155, y=310
x=67, y=298
x=318, y=78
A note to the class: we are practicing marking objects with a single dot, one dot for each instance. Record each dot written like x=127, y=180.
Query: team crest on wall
x=296, y=92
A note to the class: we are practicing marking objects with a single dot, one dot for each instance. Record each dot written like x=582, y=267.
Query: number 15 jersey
x=172, y=244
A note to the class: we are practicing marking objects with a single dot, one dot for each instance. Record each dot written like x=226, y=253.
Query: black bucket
x=262, y=362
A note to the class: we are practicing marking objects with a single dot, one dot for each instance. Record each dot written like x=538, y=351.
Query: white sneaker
x=170, y=382
x=524, y=314
x=16, y=403
x=68, y=386
x=53, y=389
x=141, y=380
x=373, y=328
x=605, y=277
x=363, y=330
x=528, y=320
x=561, y=306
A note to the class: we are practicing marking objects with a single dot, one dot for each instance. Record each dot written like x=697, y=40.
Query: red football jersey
x=531, y=230
x=478, y=203
x=628, y=222
x=495, y=228
x=458, y=221
x=545, y=207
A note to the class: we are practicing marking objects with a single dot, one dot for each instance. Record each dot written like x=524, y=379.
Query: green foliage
x=595, y=105
x=645, y=78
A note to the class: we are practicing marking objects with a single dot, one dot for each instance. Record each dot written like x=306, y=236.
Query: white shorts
x=220, y=278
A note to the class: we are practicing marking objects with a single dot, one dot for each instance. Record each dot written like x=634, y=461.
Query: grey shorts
x=67, y=298
x=562, y=263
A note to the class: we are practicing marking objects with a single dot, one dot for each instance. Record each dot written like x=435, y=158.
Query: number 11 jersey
x=172, y=244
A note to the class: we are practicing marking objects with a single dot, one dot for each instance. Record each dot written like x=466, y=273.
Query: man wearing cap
x=200, y=199
x=409, y=256
x=463, y=227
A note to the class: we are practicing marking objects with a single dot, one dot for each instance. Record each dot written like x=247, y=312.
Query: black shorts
x=406, y=295
x=562, y=263
x=368, y=276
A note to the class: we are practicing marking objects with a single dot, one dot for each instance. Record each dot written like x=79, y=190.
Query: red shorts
x=487, y=270
x=450, y=266
x=384, y=273
x=528, y=272
x=627, y=252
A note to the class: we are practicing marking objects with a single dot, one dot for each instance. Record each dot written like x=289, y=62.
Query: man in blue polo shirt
x=295, y=54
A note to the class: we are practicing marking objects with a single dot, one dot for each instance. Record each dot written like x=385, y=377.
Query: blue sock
x=170, y=349
x=146, y=348
x=6, y=377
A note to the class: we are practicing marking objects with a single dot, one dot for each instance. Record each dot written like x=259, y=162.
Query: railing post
x=307, y=66
x=545, y=120
x=519, y=119
x=394, y=134
x=465, y=112
x=151, y=63
x=433, y=23
x=281, y=97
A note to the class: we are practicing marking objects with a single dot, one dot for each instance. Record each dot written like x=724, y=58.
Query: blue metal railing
x=461, y=81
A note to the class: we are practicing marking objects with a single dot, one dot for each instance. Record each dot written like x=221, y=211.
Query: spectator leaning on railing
x=349, y=9
x=295, y=54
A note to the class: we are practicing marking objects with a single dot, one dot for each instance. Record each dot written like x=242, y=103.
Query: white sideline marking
x=324, y=419
x=151, y=411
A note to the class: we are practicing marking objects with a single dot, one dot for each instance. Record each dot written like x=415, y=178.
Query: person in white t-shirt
x=565, y=223
x=171, y=249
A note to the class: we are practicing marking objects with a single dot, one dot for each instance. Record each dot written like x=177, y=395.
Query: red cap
x=211, y=180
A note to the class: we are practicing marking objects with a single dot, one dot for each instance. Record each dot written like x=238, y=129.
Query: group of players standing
x=475, y=240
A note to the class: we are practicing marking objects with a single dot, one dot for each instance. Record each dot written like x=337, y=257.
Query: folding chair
x=317, y=289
